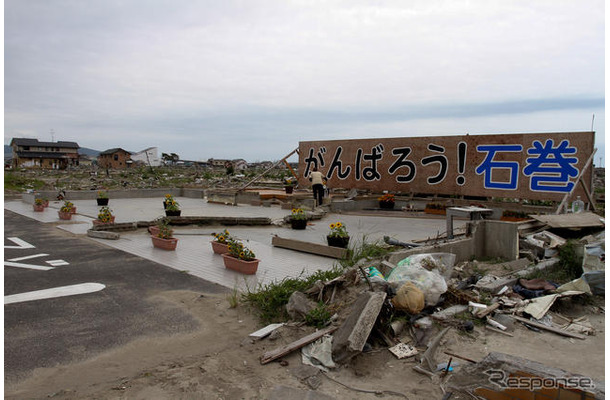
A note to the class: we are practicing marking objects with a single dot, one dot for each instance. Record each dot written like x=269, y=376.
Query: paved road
x=58, y=330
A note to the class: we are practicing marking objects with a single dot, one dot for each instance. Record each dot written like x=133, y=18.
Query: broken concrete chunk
x=299, y=305
x=103, y=235
x=350, y=338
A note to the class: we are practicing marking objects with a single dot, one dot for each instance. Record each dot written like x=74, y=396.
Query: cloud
x=184, y=72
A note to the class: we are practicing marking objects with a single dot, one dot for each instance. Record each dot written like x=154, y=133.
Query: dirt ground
x=219, y=361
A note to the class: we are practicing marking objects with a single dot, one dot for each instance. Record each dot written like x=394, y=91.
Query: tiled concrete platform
x=194, y=254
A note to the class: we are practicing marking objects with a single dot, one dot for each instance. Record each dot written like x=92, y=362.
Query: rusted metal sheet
x=537, y=166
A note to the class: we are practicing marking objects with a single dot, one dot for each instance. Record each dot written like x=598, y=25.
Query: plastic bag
x=430, y=282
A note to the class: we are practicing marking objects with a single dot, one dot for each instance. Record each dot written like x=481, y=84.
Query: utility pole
x=52, y=135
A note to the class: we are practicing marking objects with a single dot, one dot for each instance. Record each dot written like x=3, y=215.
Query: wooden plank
x=579, y=220
x=289, y=348
x=486, y=311
x=580, y=175
x=308, y=247
x=550, y=328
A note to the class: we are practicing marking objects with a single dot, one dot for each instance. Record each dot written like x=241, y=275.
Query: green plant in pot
x=102, y=198
x=240, y=258
x=172, y=208
x=298, y=219
x=338, y=235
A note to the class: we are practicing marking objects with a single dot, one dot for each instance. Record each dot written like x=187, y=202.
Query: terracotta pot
x=388, y=205
x=102, y=202
x=38, y=207
x=435, y=211
x=46, y=203
x=244, y=267
x=219, y=248
x=97, y=222
x=170, y=213
x=298, y=223
x=73, y=210
x=153, y=230
x=165, y=244
x=64, y=215
x=337, y=241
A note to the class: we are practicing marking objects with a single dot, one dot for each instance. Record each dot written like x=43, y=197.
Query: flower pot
x=153, y=230
x=64, y=215
x=45, y=203
x=436, y=211
x=242, y=266
x=164, y=205
x=335, y=241
x=172, y=213
x=102, y=202
x=219, y=248
x=165, y=244
x=97, y=222
x=298, y=223
x=288, y=189
x=38, y=207
x=387, y=205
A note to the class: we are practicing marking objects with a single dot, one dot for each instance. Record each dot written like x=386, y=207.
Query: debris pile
x=408, y=308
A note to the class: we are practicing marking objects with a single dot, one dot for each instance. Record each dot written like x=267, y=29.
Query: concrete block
x=299, y=305
x=103, y=235
x=493, y=284
x=477, y=378
x=307, y=247
x=350, y=338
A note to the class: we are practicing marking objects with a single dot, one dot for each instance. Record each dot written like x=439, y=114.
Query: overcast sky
x=250, y=79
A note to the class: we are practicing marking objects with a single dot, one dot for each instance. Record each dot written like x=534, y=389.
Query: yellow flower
x=339, y=225
x=332, y=226
x=221, y=239
x=294, y=210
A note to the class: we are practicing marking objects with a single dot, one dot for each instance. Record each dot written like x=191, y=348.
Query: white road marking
x=28, y=257
x=57, y=263
x=61, y=291
x=28, y=266
x=21, y=244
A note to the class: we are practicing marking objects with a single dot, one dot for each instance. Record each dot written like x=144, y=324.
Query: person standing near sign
x=317, y=185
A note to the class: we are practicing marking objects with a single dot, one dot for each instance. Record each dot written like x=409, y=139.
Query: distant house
x=149, y=157
x=30, y=153
x=240, y=164
x=116, y=158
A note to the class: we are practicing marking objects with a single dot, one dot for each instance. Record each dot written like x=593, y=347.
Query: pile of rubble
x=410, y=306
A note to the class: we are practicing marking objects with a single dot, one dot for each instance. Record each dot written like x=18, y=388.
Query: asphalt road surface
x=108, y=302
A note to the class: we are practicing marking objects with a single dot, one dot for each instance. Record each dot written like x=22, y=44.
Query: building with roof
x=115, y=158
x=31, y=153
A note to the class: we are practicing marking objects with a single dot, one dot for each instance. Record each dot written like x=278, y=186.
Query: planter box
x=153, y=230
x=219, y=248
x=170, y=213
x=165, y=244
x=46, y=203
x=38, y=208
x=102, y=202
x=64, y=215
x=241, y=266
x=298, y=224
x=73, y=210
x=97, y=222
x=387, y=205
x=341, y=242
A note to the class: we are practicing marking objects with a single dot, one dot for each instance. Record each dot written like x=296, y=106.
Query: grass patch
x=318, y=317
x=269, y=300
x=14, y=181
